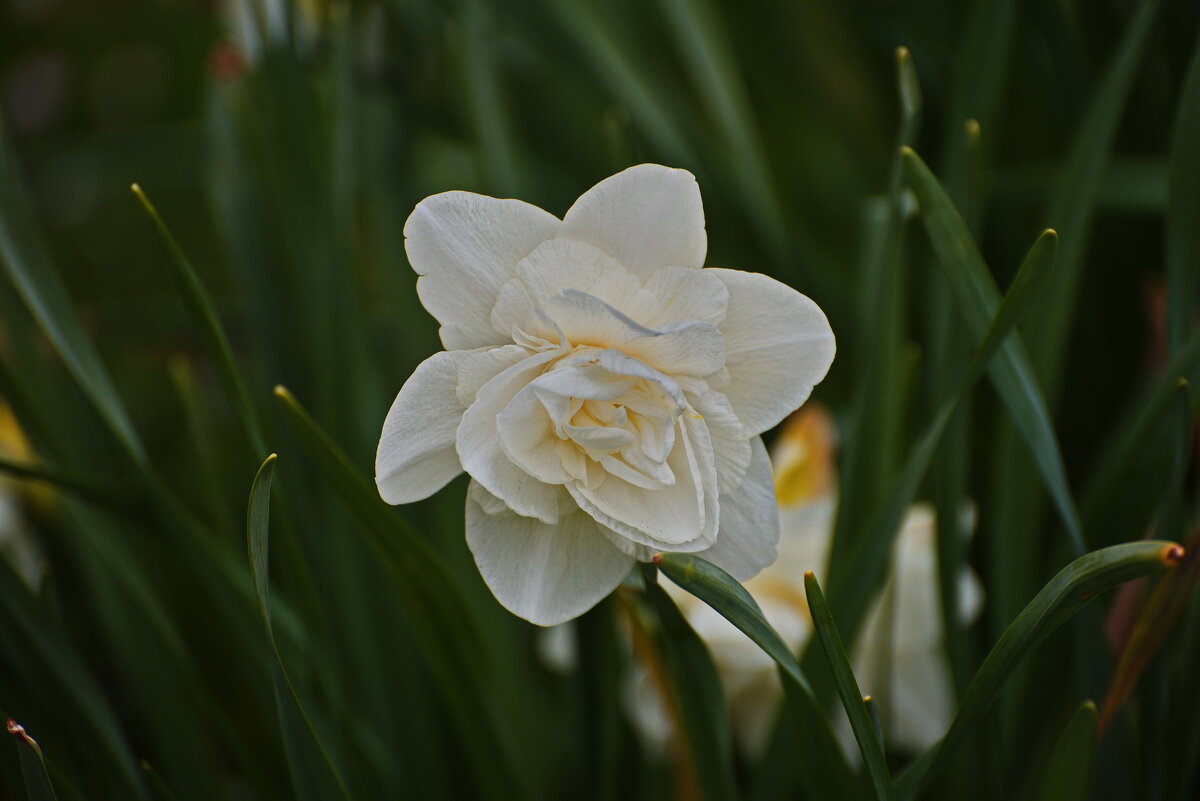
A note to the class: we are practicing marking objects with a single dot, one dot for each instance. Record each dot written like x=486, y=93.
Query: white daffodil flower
x=603, y=391
x=897, y=656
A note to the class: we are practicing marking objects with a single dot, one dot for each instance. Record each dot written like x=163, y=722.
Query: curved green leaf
x=33, y=767
x=1068, y=769
x=870, y=743
x=24, y=259
x=1061, y=598
x=696, y=695
x=436, y=605
x=977, y=296
x=1183, y=209
x=854, y=578
x=828, y=775
x=204, y=316
x=314, y=776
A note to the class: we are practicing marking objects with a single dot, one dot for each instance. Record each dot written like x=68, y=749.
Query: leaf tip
x=282, y=392
x=902, y=54
x=656, y=559
x=1171, y=554
x=18, y=731
x=971, y=126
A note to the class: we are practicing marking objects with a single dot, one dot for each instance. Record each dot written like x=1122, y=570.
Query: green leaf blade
x=827, y=775
x=33, y=766
x=314, y=776
x=870, y=743
x=1058, y=600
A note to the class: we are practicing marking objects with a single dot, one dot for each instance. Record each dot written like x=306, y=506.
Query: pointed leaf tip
x=1171, y=554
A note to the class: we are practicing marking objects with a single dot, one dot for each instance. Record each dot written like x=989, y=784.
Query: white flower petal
x=482, y=366
x=685, y=294
x=689, y=348
x=646, y=217
x=545, y=574
x=527, y=437
x=465, y=246
x=749, y=532
x=731, y=445
x=561, y=264
x=778, y=345
x=416, y=455
x=478, y=444
x=682, y=517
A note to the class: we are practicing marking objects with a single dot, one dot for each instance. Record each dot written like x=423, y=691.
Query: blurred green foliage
x=284, y=145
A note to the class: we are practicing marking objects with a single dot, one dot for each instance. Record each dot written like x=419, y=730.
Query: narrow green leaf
x=204, y=316
x=1183, y=209
x=876, y=723
x=697, y=697
x=33, y=767
x=161, y=790
x=27, y=265
x=1068, y=769
x=702, y=39
x=112, y=496
x=828, y=775
x=854, y=577
x=869, y=743
x=1073, y=204
x=1127, y=480
x=1061, y=598
x=1012, y=374
x=314, y=775
x=908, y=84
x=436, y=605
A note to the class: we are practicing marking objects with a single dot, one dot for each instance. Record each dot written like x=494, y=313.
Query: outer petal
x=749, y=532
x=683, y=517
x=478, y=445
x=416, y=455
x=465, y=246
x=545, y=574
x=778, y=345
x=732, y=448
x=646, y=217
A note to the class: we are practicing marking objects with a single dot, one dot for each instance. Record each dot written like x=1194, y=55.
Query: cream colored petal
x=546, y=574
x=749, y=531
x=778, y=345
x=478, y=445
x=416, y=455
x=683, y=517
x=465, y=246
x=646, y=217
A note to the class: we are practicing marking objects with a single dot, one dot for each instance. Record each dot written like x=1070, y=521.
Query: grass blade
x=1061, y=598
x=697, y=699
x=977, y=296
x=1074, y=202
x=853, y=579
x=204, y=316
x=25, y=261
x=436, y=605
x=870, y=743
x=314, y=775
x=828, y=774
x=1068, y=770
x=1183, y=209
x=33, y=767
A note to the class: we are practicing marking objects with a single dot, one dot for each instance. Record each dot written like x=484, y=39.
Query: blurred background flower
x=898, y=657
